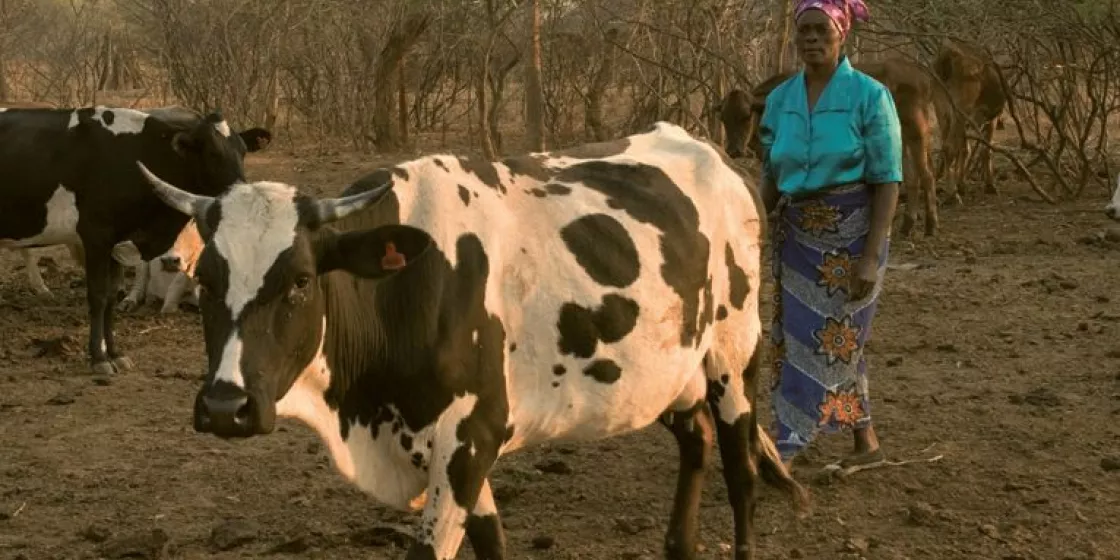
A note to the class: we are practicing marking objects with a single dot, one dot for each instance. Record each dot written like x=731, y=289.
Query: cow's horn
x=330, y=209
x=183, y=201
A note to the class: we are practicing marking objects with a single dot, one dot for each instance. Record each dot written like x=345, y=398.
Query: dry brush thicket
x=391, y=74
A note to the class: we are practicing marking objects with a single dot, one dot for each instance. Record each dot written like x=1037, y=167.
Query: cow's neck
x=380, y=332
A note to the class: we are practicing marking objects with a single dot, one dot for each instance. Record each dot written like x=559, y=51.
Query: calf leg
x=139, y=289
x=918, y=145
x=175, y=293
x=988, y=169
x=34, y=277
x=747, y=451
x=484, y=527
x=910, y=217
x=695, y=434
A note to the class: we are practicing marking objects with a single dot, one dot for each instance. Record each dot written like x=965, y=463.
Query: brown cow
x=976, y=87
x=912, y=89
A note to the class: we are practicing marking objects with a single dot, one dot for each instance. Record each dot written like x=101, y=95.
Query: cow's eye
x=303, y=282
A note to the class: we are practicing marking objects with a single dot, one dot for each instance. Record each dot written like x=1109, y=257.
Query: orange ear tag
x=392, y=259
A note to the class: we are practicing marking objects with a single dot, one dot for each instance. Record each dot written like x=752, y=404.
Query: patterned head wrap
x=841, y=12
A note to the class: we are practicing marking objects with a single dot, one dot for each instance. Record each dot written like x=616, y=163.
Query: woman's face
x=818, y=39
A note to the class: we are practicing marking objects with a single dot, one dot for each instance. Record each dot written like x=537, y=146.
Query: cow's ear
x=372, y=253
x=256, y=139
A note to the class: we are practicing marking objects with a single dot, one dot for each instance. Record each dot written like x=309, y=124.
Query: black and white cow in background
x=1113, y=208
x=70, y=176
x=475, y=308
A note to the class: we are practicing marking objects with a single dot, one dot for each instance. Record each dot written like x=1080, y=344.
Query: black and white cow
x=475, y=308
x=69, y=176
x=1112, y=210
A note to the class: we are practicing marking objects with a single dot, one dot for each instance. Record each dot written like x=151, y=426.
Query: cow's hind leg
x=690, y=421
x=747, y=451
x=484, y=527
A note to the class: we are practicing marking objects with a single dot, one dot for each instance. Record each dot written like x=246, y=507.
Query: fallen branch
x=1019, y=164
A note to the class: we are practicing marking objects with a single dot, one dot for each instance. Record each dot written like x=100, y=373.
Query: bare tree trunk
x=484, y=109
x=5, y=90
x=782, y=62
x=401, y=40
x=600, y=82
x=402, y=104
x=534, y=92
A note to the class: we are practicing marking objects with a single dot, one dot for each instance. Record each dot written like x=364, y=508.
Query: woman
x=832, y=163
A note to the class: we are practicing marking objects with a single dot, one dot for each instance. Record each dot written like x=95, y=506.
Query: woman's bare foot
x=867, y=449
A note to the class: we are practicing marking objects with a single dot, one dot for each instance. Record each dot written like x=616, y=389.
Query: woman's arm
x=882, y=136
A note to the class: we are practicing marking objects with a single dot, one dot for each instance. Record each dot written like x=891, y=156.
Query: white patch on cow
x=62, y=223
x=258, y=223
x=485, y=505
x=223, y=128
x=1113, y=208
x=125, y=121
x=229, y=368
x=2, y=109
x=442, y=525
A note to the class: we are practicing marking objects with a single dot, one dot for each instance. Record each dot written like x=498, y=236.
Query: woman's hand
x=863, y=277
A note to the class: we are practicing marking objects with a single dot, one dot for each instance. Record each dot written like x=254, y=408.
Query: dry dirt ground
x=996, y=347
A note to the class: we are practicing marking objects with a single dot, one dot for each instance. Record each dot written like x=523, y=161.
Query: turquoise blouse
x=853, y=134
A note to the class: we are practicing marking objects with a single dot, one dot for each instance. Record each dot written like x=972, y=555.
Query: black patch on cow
x=439, y=163
x=559, y=369
x=484, y=170
x=464, y=195
x=417, y=459
x=707, y=315
x=557, y=189
x=603, y=371
x=581, y=329
x=528, y=166
x=400, y=172
x=108, y=117
x=513, y=347
x=740, y=285
x=721, y=312
x=603, y=247
x=649, y=196
x=555, y=383
x=537, y=192
x=406, y=442
x=485, y=535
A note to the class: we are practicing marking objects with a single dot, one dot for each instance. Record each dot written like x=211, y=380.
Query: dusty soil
x=995, y=347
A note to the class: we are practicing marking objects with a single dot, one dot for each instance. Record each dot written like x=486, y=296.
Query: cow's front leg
x=34, y=277
x=464, y=449
x=484, y=527
x=175, y=292
x=102, y=280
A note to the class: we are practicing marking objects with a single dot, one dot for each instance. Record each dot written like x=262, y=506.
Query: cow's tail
x=775, y=473
x=763, y=452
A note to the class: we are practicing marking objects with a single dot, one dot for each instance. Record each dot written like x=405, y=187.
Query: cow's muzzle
x=225, y=410
x=170, y=264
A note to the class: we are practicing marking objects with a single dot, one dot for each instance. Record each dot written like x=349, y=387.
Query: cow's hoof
x=127, y=304
x=103, y=369
x=123, y=363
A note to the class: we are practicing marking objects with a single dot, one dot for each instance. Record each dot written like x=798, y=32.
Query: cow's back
x=614, y=268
